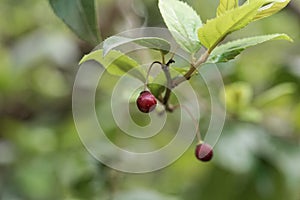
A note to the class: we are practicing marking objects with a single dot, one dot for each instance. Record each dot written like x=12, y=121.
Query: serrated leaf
x=226, y=5
x=155, y=43
x=271, y=9
x=230, y=50
x=215, y=30
x=116, y=63
x=79, y=16
x=183, y=23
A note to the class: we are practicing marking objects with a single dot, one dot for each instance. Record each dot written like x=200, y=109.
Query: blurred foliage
x=41, y=156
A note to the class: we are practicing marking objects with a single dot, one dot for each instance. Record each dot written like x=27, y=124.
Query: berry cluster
x=146, y=102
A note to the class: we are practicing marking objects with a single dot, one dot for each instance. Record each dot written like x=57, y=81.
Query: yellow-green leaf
x=275, y=93
x=216, y=29
x=116, y=63
x=155, y=43
x=226, y=5
x=230, y=50
x=271, y=9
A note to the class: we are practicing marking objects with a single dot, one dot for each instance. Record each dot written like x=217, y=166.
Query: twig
x=166, y=70
x=192, y=69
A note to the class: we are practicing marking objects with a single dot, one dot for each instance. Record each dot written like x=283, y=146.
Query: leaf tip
x=83, y=59
x=290, y=39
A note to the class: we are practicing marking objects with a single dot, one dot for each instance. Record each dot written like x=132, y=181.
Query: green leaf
x=275, y=93
x=215, y=30
x=226, y=5
x=157, y=85
x=79, y=16
x=156, y=89
x=116, y=63
x=183, y=23
x=181, y=70
x=149, y=42
x=271, y=9
x=158, y=44
x=230, y=50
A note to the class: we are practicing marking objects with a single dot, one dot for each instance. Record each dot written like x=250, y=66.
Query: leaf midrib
x=85, y=19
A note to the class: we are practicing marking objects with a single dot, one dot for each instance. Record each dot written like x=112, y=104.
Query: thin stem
x=192, y=69
x=196, y=123
x=169, y=81
x=163, y=57
x=203, y=58
x=148, y=73
x=166, y=70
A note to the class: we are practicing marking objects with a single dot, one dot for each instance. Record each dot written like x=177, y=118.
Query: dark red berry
x=146, y=102
x=204, y=152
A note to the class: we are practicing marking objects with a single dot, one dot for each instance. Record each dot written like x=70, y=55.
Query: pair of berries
x=146, y=102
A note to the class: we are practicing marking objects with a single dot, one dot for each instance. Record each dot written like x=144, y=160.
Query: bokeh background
x=41, y=156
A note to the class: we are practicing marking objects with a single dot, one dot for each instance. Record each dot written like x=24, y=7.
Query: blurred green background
x=41, y=156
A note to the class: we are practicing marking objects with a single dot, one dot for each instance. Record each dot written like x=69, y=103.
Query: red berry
x=204, y=152
x=146, y=102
